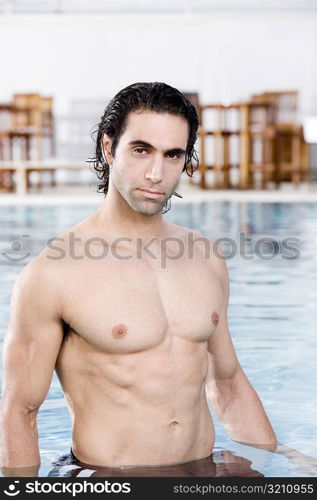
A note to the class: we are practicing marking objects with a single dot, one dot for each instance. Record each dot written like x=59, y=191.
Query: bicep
x=223, y=362
x=31, y=345
x=28, y=364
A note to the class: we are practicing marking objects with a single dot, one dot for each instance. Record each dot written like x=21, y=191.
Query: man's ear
x=106, y=149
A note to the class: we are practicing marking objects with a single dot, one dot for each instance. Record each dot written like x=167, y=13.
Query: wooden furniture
x=290, y=149
x=33, y=113
x=22, y=168
x=215, y=143
x=258, y=135
x=6, y=177
x=12, y=141
x=27, y=128
x=270, y=145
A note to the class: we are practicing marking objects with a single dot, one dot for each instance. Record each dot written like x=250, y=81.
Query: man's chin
x=149, y=207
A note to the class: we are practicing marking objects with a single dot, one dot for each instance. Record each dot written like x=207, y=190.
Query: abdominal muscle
x=141, y=409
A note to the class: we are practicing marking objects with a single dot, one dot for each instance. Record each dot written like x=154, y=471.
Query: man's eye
x=140, y=151
x=174, y=156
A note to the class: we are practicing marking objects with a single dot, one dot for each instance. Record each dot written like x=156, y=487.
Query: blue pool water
x=272, y=315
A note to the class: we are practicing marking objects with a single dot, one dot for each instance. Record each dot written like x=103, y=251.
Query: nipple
x=215, y=318
x=119, y=331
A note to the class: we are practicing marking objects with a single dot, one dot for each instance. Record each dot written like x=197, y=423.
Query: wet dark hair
x=155, y=96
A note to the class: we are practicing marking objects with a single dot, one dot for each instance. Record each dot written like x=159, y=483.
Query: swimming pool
x=272, y=313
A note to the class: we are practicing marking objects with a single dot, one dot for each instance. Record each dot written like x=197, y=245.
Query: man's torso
x=133, y=363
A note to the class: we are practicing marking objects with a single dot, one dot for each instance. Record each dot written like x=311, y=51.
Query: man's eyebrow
x=145, y=144
x=139, y=142
x=179, y=151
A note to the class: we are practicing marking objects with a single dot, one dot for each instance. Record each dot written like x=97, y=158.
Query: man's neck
x=116, y=215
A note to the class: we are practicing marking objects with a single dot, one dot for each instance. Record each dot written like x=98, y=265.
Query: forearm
x=239, y=408
x=293, y=455
x=19, y=439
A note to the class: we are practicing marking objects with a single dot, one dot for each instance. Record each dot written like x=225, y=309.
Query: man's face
x=150, y=155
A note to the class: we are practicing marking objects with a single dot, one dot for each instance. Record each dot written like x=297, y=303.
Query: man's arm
x=229, y=391
x=31, y=347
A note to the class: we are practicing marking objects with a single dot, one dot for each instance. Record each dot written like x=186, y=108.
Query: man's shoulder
x=199, y=238
x=38, y=271
x=38, y=287
x=48, y=267
x=208, y=248
x=177, y=230
x=197, y=241
x=44, y=276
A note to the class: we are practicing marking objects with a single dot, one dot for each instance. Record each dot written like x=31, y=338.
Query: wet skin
x=134, y=362
x=136, y=341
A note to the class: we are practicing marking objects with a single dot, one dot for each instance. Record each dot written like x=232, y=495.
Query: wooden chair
x=258, y=145
x=225, y=127
x=6, y=176
x=47, y=125
x=291, y=159
x=32, y=114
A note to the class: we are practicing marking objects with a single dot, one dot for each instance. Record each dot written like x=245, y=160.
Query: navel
x=119, y=331
x=215, y=318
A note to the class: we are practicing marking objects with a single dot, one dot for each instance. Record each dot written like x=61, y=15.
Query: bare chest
x=130, y=306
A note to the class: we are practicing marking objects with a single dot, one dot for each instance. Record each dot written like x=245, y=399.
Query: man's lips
x=150, y=190
x=149, y=193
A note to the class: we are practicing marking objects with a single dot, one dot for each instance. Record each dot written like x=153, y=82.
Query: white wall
x=224, y=56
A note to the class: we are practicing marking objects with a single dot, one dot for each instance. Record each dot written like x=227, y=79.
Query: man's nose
x=155, y=170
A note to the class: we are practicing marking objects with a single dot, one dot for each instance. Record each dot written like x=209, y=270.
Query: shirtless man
x=139, y=347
